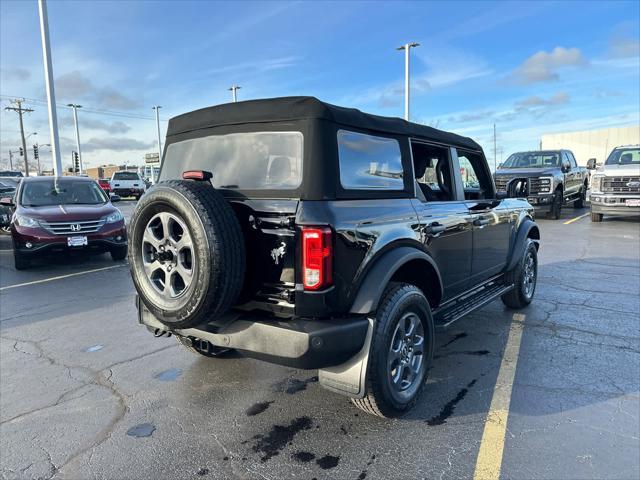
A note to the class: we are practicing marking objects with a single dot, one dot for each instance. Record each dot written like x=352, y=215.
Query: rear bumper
x=127, y=192
x=299, y=343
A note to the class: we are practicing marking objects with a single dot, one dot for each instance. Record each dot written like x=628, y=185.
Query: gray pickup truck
x=549, y=179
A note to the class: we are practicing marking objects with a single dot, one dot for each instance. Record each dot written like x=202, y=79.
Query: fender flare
x=528, y=229
x=378, y=277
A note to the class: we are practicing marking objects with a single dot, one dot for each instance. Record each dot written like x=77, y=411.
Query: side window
x=475, y=179
x=432, y=166
x=572, y=160
x=565, y=158
x=369, y=162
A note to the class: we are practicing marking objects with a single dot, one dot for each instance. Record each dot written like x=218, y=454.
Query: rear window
x=242, y=161
x=369, y=162
x=125, y=176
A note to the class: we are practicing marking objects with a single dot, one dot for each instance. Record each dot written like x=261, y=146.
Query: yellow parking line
x=577, y=218
x=60, y=277
x=489, y=461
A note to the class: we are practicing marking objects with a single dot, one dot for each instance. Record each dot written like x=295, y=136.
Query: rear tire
x=119, y=253
x=204, y=348
x=401, y=352
x=186, y=253
x=596, y=217
x=524, y=277
x=20, y=262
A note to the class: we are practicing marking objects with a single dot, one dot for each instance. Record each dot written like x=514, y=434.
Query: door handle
x=434, y=228
x=480, y=222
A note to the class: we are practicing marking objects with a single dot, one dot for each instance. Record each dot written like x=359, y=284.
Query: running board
x=447, y=314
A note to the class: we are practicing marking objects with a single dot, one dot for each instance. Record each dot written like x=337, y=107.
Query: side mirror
x=565, y=167
x=591, y=164
x=115, y=198
x=7, y=202
x=500, y=165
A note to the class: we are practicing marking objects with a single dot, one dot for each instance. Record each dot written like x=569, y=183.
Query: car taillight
x=317, y=258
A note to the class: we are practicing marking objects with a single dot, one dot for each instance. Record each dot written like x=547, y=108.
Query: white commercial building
x=592, y=143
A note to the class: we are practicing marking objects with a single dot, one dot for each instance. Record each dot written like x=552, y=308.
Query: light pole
x=75, y=108
x=406, y=47
x=51, y=97
x=234, y=89
x=157, y=109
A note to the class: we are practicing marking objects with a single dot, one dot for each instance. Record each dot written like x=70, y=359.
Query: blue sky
x=529, y=67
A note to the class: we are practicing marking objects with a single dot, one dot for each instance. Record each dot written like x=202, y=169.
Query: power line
x=114, y=113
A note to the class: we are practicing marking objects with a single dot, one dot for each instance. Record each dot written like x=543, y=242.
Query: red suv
x=105, y=185
x=64, y=214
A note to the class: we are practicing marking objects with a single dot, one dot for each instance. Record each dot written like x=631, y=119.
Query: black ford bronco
x=321, y=237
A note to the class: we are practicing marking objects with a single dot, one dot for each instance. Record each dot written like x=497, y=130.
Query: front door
x=492, y=223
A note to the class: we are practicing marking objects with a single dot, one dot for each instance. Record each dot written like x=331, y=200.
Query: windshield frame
x=25, y=185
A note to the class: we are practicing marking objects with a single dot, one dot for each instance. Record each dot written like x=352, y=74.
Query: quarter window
x=369, y=162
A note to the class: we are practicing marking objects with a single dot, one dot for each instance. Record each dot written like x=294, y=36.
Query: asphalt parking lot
x=87, y=393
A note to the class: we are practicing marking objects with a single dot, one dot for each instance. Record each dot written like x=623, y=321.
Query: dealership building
x=592, y=143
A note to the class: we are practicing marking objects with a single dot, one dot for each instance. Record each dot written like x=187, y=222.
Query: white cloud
x=74, y=86
x=535, y=101
x=544, y=66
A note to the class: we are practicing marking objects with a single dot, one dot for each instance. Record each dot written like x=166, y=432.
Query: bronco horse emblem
x=278, y=253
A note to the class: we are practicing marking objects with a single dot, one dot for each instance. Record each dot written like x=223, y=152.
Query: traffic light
x=21, y=152
x=76, y=162
x=35, y=152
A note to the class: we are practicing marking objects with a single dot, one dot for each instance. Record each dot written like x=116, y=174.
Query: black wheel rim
x=529, y=274
x=405, y=360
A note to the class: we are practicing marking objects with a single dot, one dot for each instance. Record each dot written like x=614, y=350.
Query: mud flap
x=349, y=378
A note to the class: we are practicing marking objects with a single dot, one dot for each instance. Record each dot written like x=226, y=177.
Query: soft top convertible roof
x=299, y=108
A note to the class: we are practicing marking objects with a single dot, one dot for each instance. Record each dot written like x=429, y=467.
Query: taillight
x=317, y=258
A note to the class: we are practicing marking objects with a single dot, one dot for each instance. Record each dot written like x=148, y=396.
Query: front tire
x=583, y=197
x=119, y=253
x=556, y=206
x=20, y=262
x=524, y=277
x=401, y=352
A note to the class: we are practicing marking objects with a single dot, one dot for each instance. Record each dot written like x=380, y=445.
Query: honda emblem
x=75, y=227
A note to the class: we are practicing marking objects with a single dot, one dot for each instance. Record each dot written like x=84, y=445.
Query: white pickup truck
x=615, y=186
x=128, y=184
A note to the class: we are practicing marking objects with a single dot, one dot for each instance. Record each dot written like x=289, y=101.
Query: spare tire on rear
x=186, y=252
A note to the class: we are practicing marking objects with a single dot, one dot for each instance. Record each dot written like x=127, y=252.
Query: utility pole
x=51, y=97
x=21, y=111
x=75, y=108
x=407, y=47
x=157, y=109
x=234, y=89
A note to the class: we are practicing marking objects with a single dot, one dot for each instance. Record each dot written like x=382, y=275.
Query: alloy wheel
x=168, y=255
x=406, y=352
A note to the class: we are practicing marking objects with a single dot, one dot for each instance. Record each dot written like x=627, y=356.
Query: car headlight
x=546, y=184
x=596, y=182
x=114, y=217
x=24, y=221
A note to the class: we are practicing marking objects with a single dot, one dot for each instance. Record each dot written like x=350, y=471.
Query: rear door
x=444, y=217
x=491, y=220
x=270, y=244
